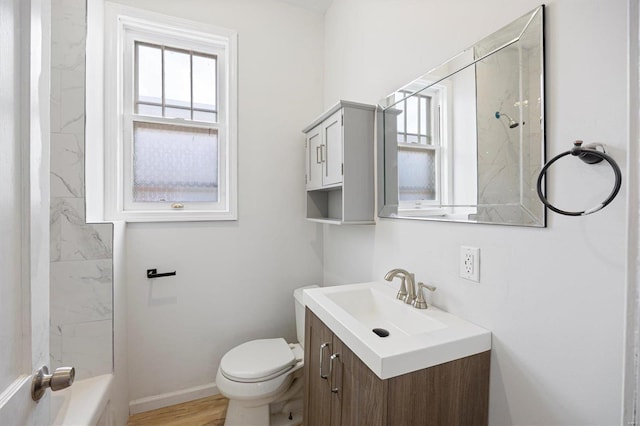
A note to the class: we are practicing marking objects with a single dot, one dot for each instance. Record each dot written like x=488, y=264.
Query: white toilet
x=263, y=379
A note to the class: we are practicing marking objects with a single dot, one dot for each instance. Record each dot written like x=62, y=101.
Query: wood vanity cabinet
x=339, y=165
x=454, y=393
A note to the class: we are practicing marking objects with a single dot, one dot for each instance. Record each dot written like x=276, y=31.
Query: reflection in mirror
x=465, y=141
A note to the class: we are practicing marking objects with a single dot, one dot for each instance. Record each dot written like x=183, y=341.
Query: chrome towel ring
x=590, y=155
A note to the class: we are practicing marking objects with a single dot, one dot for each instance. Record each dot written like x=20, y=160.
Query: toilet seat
x=258, y=391
x=258, y=360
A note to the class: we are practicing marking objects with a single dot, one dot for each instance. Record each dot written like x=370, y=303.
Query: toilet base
x=241, y=415
x=282, y=419
x=272, y=410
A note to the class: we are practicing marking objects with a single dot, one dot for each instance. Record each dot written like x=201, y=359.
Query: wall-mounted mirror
x=465, y=142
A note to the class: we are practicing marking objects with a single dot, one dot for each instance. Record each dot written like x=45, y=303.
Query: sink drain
x=381, y=332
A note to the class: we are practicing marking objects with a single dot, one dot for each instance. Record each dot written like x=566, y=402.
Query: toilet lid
x=257, y=359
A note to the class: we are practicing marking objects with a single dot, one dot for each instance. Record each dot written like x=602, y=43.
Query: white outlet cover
x=470, y=263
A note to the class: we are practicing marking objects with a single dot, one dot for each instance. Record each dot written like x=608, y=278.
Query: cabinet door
x=332, y=149
x=361, y=393
x=317, y=394
x=351, y=394
x=314, y=158
x=336, y=383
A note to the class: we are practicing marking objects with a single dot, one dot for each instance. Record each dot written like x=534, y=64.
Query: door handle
x=61, y=378
x=334, y=356
x=318, y=156
x=323, y=149
x=322, y=347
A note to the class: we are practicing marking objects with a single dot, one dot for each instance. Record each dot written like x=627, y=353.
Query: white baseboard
x=166, y=399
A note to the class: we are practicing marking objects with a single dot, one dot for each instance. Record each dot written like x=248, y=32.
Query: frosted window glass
x=417, y=175
x=174, y=164
x=149, y=74
x=177, y=78
x=204, y=83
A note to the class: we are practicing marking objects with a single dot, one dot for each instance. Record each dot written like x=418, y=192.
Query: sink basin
x=374, y=309
x=416, y=339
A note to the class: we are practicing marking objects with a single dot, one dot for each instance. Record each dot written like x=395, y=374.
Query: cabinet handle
x=322, y=346
x=323, y=149
x=318, y=155
x=334, y=356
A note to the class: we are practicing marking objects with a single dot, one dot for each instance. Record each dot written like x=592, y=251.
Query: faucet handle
x=420, y=302
x=428, y=286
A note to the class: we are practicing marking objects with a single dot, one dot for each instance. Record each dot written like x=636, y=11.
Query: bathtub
x=86, y=403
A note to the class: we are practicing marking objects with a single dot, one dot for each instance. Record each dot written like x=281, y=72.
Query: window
x=420, y=148
x=170, y=146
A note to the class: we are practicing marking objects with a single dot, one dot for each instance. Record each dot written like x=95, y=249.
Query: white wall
x=554, y=298
x=234, y=280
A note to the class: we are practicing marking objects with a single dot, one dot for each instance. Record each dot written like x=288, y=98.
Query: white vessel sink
x=418, y=338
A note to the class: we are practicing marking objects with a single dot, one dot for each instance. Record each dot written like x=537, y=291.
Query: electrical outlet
x=470, y=263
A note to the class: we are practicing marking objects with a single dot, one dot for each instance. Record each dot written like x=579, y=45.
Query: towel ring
x=590, y=155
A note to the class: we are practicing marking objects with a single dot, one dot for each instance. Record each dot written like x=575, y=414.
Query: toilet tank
x=299, y=305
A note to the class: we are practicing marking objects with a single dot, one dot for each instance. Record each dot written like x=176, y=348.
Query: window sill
x=174, y=216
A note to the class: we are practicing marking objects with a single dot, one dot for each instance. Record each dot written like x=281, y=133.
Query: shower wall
x=81, y=254
x=498, y=154
x=507, y=167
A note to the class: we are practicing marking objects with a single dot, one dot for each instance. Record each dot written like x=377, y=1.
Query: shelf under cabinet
x=325, y=204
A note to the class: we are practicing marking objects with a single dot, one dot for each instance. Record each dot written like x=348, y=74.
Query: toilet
x=263, y=378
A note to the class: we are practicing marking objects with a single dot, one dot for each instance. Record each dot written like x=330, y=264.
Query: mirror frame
x=507, y=36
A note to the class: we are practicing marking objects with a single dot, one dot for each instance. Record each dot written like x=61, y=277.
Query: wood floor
x=201, y=412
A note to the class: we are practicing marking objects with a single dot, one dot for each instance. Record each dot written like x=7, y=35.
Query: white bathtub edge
x=85, y=401
x=166, y=399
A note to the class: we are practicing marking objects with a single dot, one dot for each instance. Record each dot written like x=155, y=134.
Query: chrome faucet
x=408, y=293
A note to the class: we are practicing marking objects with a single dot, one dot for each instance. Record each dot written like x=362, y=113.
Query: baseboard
x=166, y=399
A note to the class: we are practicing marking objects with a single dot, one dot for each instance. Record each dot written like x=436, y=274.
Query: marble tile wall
x=498, y=155
x=81, y=254
x=507, y=171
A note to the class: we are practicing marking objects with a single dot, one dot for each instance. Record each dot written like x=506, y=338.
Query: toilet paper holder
x=153, y=273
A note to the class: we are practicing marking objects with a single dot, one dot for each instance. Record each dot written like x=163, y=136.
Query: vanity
x=431, y=369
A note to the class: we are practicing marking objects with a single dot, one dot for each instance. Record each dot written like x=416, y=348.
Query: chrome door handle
x=322, y=152
x=318, y=155
x=60, y=379
x=322, y=346
x=334, y=356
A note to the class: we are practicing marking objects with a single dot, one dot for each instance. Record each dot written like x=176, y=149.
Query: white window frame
x=124, y=26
